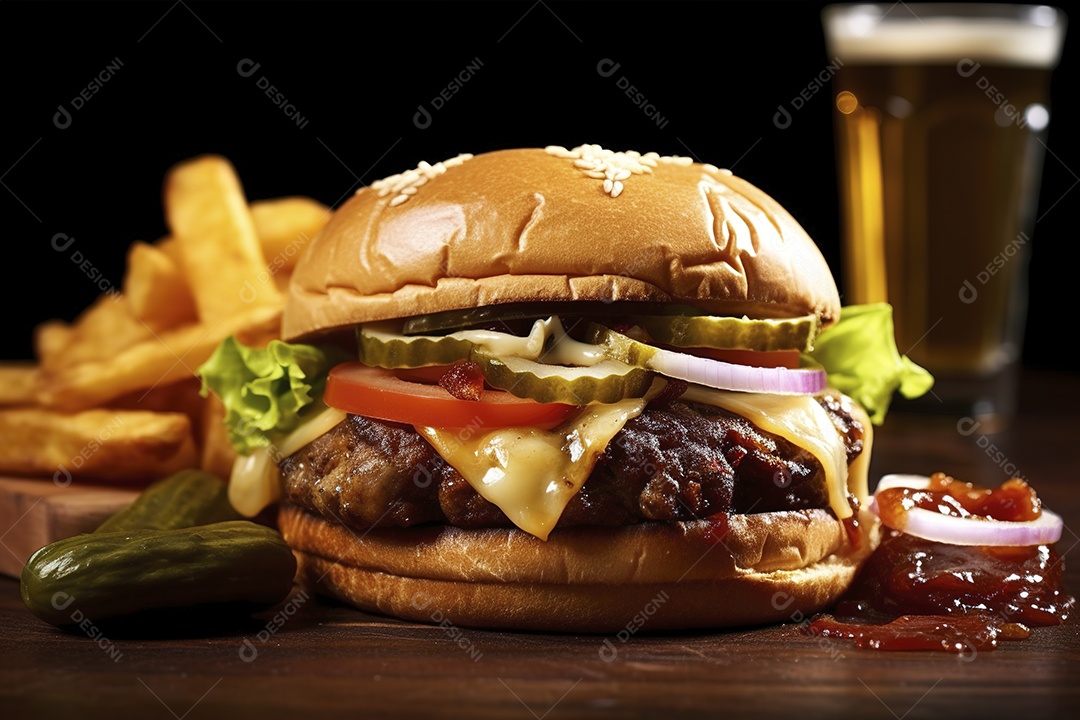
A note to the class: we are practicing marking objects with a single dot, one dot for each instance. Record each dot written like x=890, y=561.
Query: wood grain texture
x=312, y=657
x=34, y=513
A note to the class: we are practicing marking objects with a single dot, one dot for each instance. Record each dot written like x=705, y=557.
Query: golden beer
x=940, y=128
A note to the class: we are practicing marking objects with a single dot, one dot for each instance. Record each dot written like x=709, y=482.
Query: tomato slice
x=373, y=392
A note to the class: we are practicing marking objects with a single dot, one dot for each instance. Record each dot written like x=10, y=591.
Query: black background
x=356, y=73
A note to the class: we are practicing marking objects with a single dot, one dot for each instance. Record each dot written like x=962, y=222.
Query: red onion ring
x=929, y=525
x=743, y=378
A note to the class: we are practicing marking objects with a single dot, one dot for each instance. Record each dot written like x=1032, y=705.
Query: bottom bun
x=770, y=567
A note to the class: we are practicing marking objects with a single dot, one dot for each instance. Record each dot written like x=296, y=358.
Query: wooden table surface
x=314, y=658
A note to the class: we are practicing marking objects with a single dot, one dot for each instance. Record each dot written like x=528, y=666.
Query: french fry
x=167, y=358
x=18, y=383
x=102, y=330
x=220, y=251
x=50, y=339
x=181, y=396
x=157, y=292
x=117, y=445
x=285, y=226
x=170, y=247
x=113, y=394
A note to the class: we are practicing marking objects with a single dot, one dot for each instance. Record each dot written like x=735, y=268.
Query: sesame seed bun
x=769, y=567
x=551, y=224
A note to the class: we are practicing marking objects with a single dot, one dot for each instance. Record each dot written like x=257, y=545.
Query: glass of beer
x=941, y=117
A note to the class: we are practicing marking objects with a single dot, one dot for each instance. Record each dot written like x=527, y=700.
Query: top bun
x=555, y=225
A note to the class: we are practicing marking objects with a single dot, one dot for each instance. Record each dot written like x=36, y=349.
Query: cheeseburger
x=547, y=388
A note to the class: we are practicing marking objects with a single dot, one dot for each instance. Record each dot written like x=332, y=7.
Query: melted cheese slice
x=529, y=473
x=802, y=421
x=859, y=469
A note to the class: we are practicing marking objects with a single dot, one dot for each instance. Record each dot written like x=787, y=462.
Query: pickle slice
x=618, y=346
x=605, y=382
x=382, y=345
x=731, y=333
x=509, y=362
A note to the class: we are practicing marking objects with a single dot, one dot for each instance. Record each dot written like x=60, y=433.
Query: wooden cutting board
x=34, y=513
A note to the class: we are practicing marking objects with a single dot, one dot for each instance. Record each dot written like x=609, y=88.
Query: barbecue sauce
x=1013, y=501
x=916, y=594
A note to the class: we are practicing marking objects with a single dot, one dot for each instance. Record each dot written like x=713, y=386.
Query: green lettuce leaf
x=265, y=390
x=860, y=357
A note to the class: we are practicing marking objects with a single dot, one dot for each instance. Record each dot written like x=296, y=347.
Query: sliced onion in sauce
x=983, y=531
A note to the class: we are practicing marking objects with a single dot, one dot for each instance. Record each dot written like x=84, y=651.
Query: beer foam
x=865, y=34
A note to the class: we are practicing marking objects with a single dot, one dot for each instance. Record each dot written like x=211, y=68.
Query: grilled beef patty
x=675, y=461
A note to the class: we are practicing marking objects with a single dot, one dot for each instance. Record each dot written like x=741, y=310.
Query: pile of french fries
x=113, y=395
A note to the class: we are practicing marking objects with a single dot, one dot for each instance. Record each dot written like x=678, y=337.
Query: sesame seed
x=613, y=167
x=558, y=151
x=406, y=184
